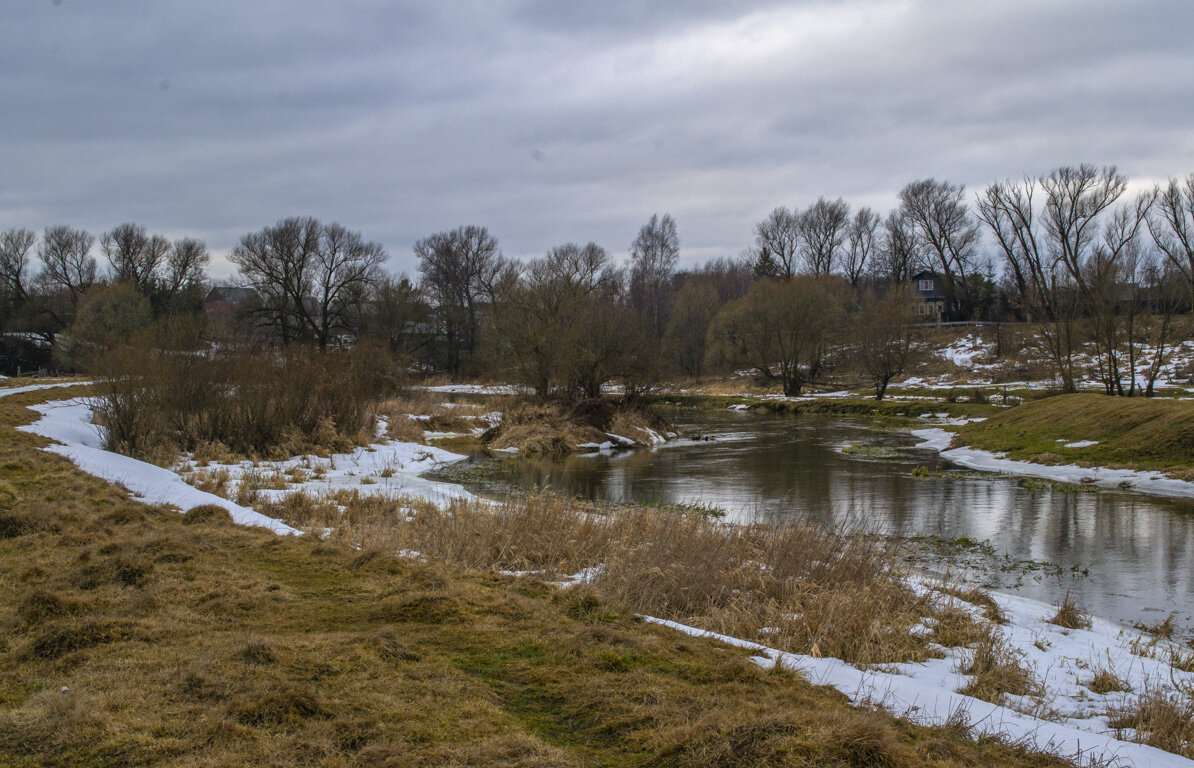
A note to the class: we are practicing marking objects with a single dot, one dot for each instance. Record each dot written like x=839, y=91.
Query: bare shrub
x=251, y=402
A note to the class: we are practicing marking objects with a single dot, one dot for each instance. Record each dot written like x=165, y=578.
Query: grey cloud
x=565, y=121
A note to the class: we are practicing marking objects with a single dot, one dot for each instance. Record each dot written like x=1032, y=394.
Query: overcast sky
x=551, y=121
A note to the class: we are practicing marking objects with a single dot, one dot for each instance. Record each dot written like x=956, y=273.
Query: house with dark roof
x=227, y=299
x=933, y=301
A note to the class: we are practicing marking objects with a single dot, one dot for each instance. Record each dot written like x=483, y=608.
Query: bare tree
x=696, y=304
x=777, y=245
x=1111, y=295
x=781, y=328
x=135, y=256
x=459, y=270
x=68, y=263
x=397, y=314
x=884, y=336
x=1048, y=294
x=1172, y=227
x=310, y=275
x=653, y=256
x=899, y=255
x=185, y=266
x=938, y=211
x=860, y=245
x=823, y=229
x=15, y=275
x=1075, y=199
x=535, y=318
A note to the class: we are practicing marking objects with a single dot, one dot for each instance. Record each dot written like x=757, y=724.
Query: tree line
x=1092, y=267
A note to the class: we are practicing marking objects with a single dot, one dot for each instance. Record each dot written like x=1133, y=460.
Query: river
x=1123, y=555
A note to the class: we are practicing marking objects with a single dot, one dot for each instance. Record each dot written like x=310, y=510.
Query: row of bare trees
x=1102, y=274
x=53, y=283
x=1096, y=268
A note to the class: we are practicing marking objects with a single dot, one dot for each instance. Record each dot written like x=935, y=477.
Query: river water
x=1124, y=555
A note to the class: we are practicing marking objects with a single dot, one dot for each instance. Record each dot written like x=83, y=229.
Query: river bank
x=355, y=478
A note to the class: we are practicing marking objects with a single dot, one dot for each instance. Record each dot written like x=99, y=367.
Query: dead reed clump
x=1069, y=615
x=1159, y=717
x=553, y=428
x=1104, y=680
x=955, y=627
x=1162, y=629
x=997, y=670
x=403, y=428
x=977, y=598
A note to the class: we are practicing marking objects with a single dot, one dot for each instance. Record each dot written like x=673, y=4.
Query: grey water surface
x=1137, y=551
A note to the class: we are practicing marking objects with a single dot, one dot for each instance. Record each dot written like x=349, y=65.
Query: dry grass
x=977, y=598
x=1161, y=717
x=188, y=641
x=996, y=670
x=1070, y=615
x=554, y=428
x=1162, y=629
x=1104, y=680
x=816, y=592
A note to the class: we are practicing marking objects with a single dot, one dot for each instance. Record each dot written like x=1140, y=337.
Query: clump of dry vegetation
x=277, y=403
x=1161, y=717
x=1070, y=615
x=1104, y=680
x=555, y=428
x=416, y=411
x=997, y=670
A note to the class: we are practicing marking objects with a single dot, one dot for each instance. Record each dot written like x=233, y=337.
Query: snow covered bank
x=6, y=391
x=1063, y=659
x=974, y=458
x=69, y=423
x=385, y=468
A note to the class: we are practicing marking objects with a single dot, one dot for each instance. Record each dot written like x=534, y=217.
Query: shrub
x=159, y=402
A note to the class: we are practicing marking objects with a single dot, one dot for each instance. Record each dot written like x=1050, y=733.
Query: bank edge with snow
x=975, y=458
x=929, y=704
x=69, y=424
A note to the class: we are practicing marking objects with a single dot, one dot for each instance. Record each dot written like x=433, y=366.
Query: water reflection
x=1137, y=549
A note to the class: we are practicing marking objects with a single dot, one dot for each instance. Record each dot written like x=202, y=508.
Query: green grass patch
x=1135, y=433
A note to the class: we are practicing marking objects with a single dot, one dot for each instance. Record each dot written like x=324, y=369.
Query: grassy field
x=138, y=636
x=1136, y=433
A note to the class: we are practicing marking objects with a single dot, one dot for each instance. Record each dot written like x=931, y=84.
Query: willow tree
x=781, y=328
